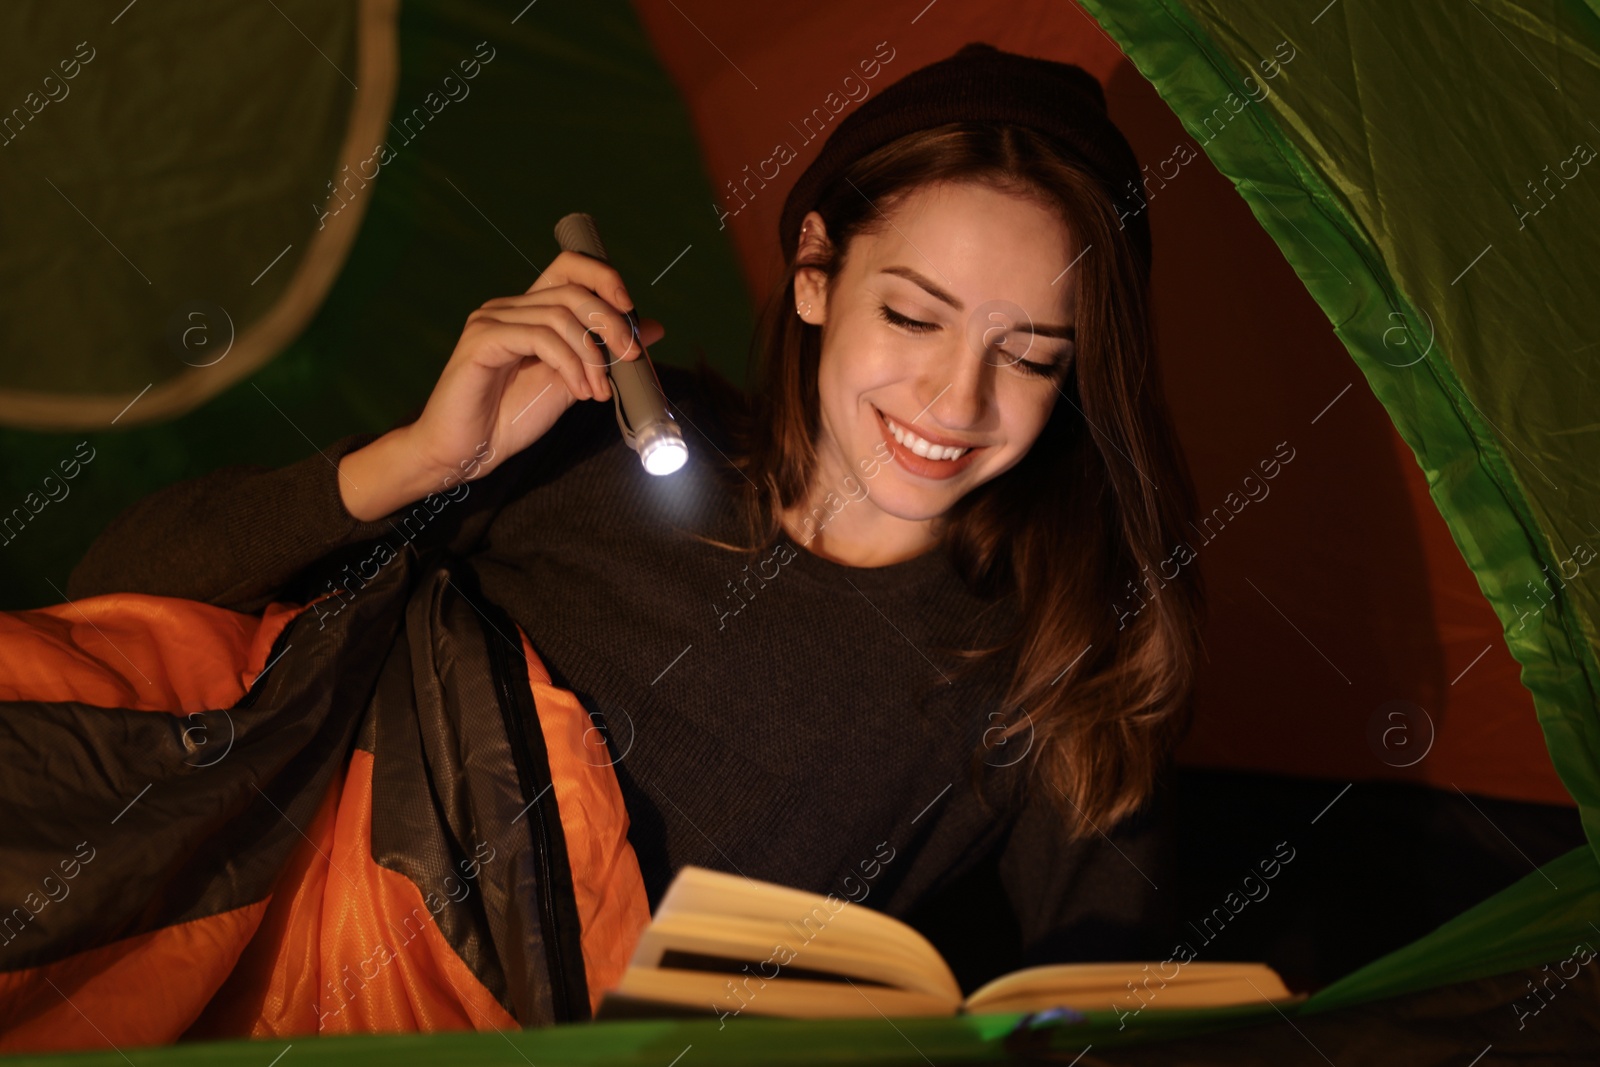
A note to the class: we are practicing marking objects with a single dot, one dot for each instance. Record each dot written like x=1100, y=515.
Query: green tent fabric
x=464, y=209
x=1480, y=362
x=1410, y=190
x=1480, y=359
x=140, y=327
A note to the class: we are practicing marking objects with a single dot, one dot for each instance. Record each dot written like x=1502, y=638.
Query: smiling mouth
x=921, y=446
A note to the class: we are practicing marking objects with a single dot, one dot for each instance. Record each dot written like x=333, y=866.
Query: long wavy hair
x=1089, y=515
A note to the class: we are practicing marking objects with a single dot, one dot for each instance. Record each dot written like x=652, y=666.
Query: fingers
x=499, y=343
x=610, y=326
x=575, y=267
x=584, y=340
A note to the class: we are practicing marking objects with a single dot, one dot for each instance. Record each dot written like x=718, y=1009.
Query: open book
x=723, y=944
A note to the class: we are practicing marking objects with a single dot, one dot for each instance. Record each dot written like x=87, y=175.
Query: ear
x=810, y=284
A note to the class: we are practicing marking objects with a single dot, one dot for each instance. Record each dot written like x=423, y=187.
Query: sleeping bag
x=381, y=819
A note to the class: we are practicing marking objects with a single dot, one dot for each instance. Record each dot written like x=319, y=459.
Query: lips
x=921, y=465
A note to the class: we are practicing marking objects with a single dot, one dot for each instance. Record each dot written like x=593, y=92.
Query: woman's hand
x=520, y=363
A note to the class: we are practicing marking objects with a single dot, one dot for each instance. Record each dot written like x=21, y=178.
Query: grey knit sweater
x=792, y=720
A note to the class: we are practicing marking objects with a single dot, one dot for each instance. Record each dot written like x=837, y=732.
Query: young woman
x=878, y=633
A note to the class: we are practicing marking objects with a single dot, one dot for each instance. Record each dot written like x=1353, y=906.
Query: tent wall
x=1481, y=365
x=573, y=112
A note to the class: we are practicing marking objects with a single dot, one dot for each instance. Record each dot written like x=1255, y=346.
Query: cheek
x=1024, y=412
x=841, y=394
x=861, y=354
x=856, y=365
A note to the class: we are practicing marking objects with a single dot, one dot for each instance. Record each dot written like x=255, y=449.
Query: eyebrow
x=1068, y=333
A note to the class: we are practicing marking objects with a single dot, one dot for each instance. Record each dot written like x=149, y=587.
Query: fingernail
x=623, y=301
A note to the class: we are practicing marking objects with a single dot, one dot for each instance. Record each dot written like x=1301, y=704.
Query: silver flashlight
x=647, y=422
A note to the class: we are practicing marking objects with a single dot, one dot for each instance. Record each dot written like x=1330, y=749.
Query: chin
x=903, y=495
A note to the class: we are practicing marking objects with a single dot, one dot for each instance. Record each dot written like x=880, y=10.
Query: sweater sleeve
x=1109, y=896
x=234, y=537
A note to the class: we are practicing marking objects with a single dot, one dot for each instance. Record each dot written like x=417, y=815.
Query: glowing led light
x=661, y=448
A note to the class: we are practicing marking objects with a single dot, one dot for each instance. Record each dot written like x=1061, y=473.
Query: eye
x=894, y=318
x=1036, y=370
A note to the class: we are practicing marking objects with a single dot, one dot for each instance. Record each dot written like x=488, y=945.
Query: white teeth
x=922, y=447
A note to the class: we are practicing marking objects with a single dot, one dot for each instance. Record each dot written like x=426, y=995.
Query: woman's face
x=954, y=324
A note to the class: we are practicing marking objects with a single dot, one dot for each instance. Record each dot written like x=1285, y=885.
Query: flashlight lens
x=664, y=455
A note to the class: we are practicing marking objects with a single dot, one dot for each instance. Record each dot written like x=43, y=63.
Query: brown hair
x=1105, y=478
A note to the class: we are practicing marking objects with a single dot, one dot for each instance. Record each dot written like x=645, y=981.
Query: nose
x=962, y=389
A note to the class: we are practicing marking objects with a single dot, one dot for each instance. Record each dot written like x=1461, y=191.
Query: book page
x=792, y=998
x=771, y=952
x=1130, y=986
x=716, y=894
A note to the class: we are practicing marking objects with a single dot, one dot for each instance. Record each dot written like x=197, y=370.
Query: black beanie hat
x=981, y=83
